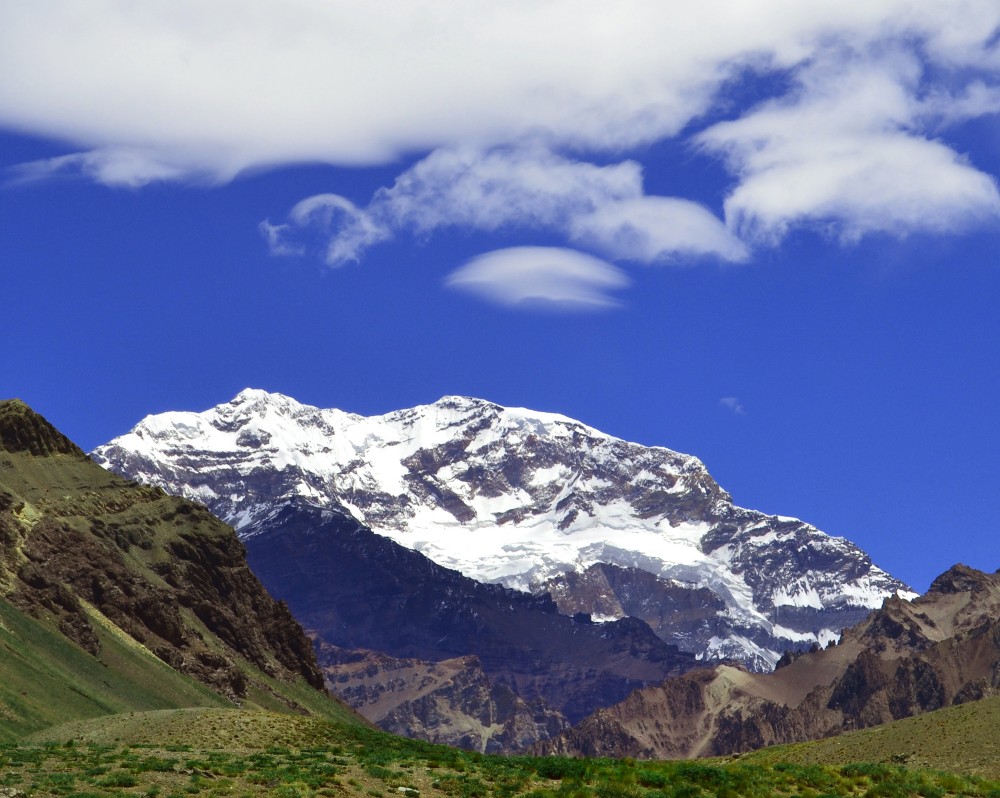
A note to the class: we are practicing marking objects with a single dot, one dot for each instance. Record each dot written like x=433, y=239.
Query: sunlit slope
x=961, y=739
x=117, y=597
x=45, y=679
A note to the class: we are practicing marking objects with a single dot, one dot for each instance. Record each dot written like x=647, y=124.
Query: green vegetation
x=47, y=679
x=960, y=738
x=179, y=753
x=97, y=574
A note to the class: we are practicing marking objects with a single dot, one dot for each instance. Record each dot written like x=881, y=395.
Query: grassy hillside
x=179, y=753
x=46, y=679
x=115, y=597
x=961, y=739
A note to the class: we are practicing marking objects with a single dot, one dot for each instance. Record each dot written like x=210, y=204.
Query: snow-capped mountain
x=526, y=499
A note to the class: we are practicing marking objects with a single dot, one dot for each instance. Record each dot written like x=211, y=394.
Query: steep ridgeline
x=137, y=579
x=529, y=500
x=904, y=659
x=358, y=590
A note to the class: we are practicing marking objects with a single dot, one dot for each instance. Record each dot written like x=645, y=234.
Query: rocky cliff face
x=676, y=612
x=904, y=659
x=527, y=500
x=359, y=590
x=453, y=702
x=76, y=540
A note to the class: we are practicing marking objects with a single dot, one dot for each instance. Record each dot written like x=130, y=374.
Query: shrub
x=651, y=778
x=120, y=779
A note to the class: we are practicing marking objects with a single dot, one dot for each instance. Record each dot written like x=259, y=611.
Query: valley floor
x=181, y=753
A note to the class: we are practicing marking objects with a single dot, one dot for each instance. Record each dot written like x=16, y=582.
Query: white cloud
x=525, y=187
x=652, y=229
x=844, y=151
x=188, y=90
x=600, y=207
x=115, y=166
x=277, y=237
x=974, y=100
x=214, y=88
x=732, y=404
x=545, y=277
x=356, y=229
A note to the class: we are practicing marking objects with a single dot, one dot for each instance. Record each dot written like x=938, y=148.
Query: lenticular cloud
x=545, y=277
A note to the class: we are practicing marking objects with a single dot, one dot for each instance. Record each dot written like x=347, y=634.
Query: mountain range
x=529, y=500
x=461, y=543
x=117, y=597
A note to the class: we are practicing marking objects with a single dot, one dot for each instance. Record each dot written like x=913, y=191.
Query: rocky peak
x=962, y=579
x=466, y=404
x=519, y=497
x=24, y=430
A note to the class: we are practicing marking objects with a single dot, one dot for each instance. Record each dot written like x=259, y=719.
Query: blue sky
x=765, y=234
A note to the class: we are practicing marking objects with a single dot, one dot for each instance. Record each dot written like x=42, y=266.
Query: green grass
x=171, y=754
x=46, y=679
x=961, y=738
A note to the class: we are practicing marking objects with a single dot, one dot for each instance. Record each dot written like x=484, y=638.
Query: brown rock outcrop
x=906, y=658
x=452, y=702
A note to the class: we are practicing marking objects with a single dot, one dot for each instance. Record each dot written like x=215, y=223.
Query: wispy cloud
x=114, y=166
x=733, y=405
x=541, y=277
x=344, y=230
x=528, y=188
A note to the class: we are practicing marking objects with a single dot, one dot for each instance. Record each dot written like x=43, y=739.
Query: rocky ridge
x=906, y=658
x=454, y=702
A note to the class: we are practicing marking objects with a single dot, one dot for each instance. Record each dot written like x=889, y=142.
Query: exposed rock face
x=676, y=612
x=904, y=659
x=452, y=702
x=359, y=590
x=75, y=539
x=529, y=500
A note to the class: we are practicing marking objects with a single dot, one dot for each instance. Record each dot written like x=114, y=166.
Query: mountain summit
x=530, y=500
